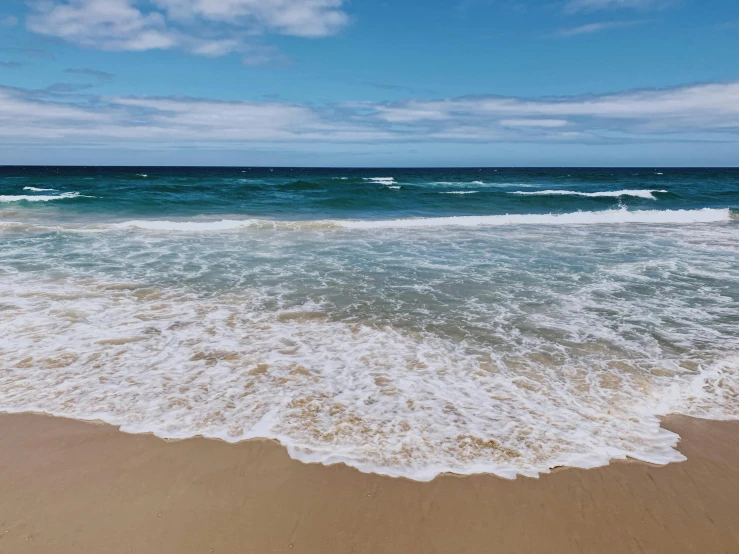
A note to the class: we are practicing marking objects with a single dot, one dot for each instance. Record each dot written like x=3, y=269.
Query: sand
x=73, y=487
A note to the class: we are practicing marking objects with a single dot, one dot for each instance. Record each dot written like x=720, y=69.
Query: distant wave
x=393, y=186
x=381, y=180
x=460, y=192
x=507, y=185
x=460, y=183
x=34, y=189
x=502, y=185
x=648, y=194
x=606, y=217
x=39, y=198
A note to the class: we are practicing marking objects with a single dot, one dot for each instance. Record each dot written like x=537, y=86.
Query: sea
x=406, y=322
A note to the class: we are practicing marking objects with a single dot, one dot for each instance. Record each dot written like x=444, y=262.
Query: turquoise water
x=406, y=322
x=309, y=194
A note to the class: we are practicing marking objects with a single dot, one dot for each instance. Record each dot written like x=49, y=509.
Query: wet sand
x=69, y=487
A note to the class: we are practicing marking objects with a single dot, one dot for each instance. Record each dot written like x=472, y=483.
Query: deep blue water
x=295, y=193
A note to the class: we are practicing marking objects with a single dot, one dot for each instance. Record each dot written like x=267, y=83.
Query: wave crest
x=39, y=198
x=705, y=215
x=604, y=217
x=647, y=194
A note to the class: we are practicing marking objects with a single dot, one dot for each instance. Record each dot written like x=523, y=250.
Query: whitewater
x=402, y=332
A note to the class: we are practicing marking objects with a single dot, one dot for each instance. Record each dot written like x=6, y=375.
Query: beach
x=72, y=487
x=369, y=360
x=334, y=277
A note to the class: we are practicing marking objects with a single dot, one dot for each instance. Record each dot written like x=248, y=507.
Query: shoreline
x=70, y=486
x=361, y=468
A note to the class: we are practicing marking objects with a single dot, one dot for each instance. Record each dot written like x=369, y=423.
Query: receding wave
x=165, y=225
x=36, y=189
x=604, y=217
x=647, y=194
x=39, y=197
x=222, y=225
x=375, y=397
x=623, y=215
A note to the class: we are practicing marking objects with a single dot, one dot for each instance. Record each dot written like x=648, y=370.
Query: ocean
x=407, y=322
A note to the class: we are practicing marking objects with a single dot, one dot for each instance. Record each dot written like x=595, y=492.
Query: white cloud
x=104, y=24
x=591, y=28
x=162, y=121
x=307, y=18
x=699, y=107
x=202, y=27
x=697, y=112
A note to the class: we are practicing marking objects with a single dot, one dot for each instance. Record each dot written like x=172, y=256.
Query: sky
x=370, y=83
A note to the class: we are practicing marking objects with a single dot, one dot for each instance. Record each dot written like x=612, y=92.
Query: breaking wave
x=38, y=198
x=622, y=215
x=604, y=217
x=648, y=194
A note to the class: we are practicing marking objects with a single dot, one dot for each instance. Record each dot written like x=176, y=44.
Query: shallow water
x=399, y=330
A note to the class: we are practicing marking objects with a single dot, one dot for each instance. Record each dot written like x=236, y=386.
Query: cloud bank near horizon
x=55, y=116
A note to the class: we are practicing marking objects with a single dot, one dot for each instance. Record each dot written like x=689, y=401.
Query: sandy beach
x=336, y=277
x=74, y=487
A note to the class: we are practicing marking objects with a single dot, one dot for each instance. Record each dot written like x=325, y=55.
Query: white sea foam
x=394, y=187
x=521, y=185
x=38, y=198
x=35, y=189
x=460, y=192
x=705, y=215
x=501, y=185
x=648, y=194
x=605, y=217
x=166, y=225
x=381, y=180
x=375, y=398
x=564, y=362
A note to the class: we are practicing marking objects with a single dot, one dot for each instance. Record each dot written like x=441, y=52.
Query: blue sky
x=404, y=83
